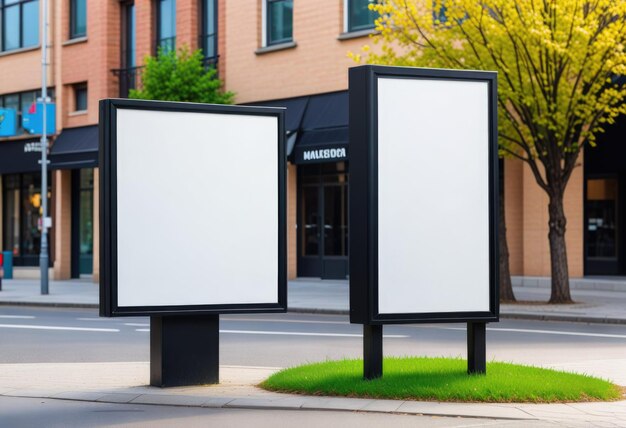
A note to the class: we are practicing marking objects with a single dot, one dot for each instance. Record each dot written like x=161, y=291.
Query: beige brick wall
x=292, y=187
x=20, y=71
x=187, y=28
x=62, y=222
x=527, y=222
x=318, y=63
x=514, y=213
x=144, y=17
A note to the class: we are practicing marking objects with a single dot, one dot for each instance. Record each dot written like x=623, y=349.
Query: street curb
x=52, y=305
x=264, y=406
x=320, y=311
x=571, y=318
x=509, y=315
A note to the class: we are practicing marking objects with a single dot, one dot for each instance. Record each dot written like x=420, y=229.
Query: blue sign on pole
x=32, y=120
x=8, y=122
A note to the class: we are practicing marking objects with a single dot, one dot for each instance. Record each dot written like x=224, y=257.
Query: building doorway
x=601, y=214
x=82, y=222
x=323, y=220
x=604, y=209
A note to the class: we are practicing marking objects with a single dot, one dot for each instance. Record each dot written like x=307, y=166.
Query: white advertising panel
x=195, y=207
x=423, y=195
x=433, y=195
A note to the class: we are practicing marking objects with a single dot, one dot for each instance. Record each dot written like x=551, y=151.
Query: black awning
x=326, y=111
x=75, y=148
x=322, y=145
x=293, y=115
x=317, y=124
x=20, y=156
x=324, y=130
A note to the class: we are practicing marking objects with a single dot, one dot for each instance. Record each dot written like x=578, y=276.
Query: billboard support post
x=476, y=348
x=372, y=351
x=184, y=350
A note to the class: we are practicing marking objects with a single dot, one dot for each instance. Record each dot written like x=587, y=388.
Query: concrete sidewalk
x=593, y=304
x=237, y=390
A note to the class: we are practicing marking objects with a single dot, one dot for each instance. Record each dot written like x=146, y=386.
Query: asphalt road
x=281, y=340
x=40, y=335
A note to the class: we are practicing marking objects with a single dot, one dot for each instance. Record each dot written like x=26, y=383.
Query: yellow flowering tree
x=559, y=66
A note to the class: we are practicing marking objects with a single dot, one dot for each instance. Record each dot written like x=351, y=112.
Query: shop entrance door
x=323, y=221
x=601, y=221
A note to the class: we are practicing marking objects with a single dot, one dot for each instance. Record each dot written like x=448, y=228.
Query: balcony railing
x=128, y=79
x=210, y=61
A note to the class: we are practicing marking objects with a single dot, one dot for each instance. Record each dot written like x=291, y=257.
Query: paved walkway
x=314, y=295
x=93, y=382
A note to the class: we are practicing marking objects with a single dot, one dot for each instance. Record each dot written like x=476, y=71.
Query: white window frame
x=346, y=24
x=263, y=23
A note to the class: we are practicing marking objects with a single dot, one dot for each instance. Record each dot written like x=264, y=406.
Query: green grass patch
x=442, y=379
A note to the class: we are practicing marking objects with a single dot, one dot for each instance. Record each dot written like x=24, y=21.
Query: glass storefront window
x=336, y=219
x=31, y=212
x=601, y=204
x=22, y=210
x=310, y=227
x=11, y=215
x=86, y=219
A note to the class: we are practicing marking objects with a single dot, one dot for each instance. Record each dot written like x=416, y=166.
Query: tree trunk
x=506, y=288
x=558, y=253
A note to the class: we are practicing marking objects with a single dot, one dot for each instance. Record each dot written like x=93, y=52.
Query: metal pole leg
x=476, y=348
x=372, y=351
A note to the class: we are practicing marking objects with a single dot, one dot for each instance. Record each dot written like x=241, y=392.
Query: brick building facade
x=275, y=52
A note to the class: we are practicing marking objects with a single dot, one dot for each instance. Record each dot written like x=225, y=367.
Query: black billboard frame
x=108, y=212
x=184, y=339
x=363, y=244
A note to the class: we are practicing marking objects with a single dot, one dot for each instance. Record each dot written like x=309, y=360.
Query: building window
x=359, y=16
x=128, y=72
x=166, y=25
x=19, y=24
x=208, y=36
x=128, y=35
x=279, y=21
x=78, y=18
x=80, y=97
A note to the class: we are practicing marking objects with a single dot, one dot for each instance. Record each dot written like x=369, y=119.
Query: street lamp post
x=43, y=256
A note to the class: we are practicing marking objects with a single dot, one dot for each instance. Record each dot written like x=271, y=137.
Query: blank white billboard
x=433, y=195
x=197, y=208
